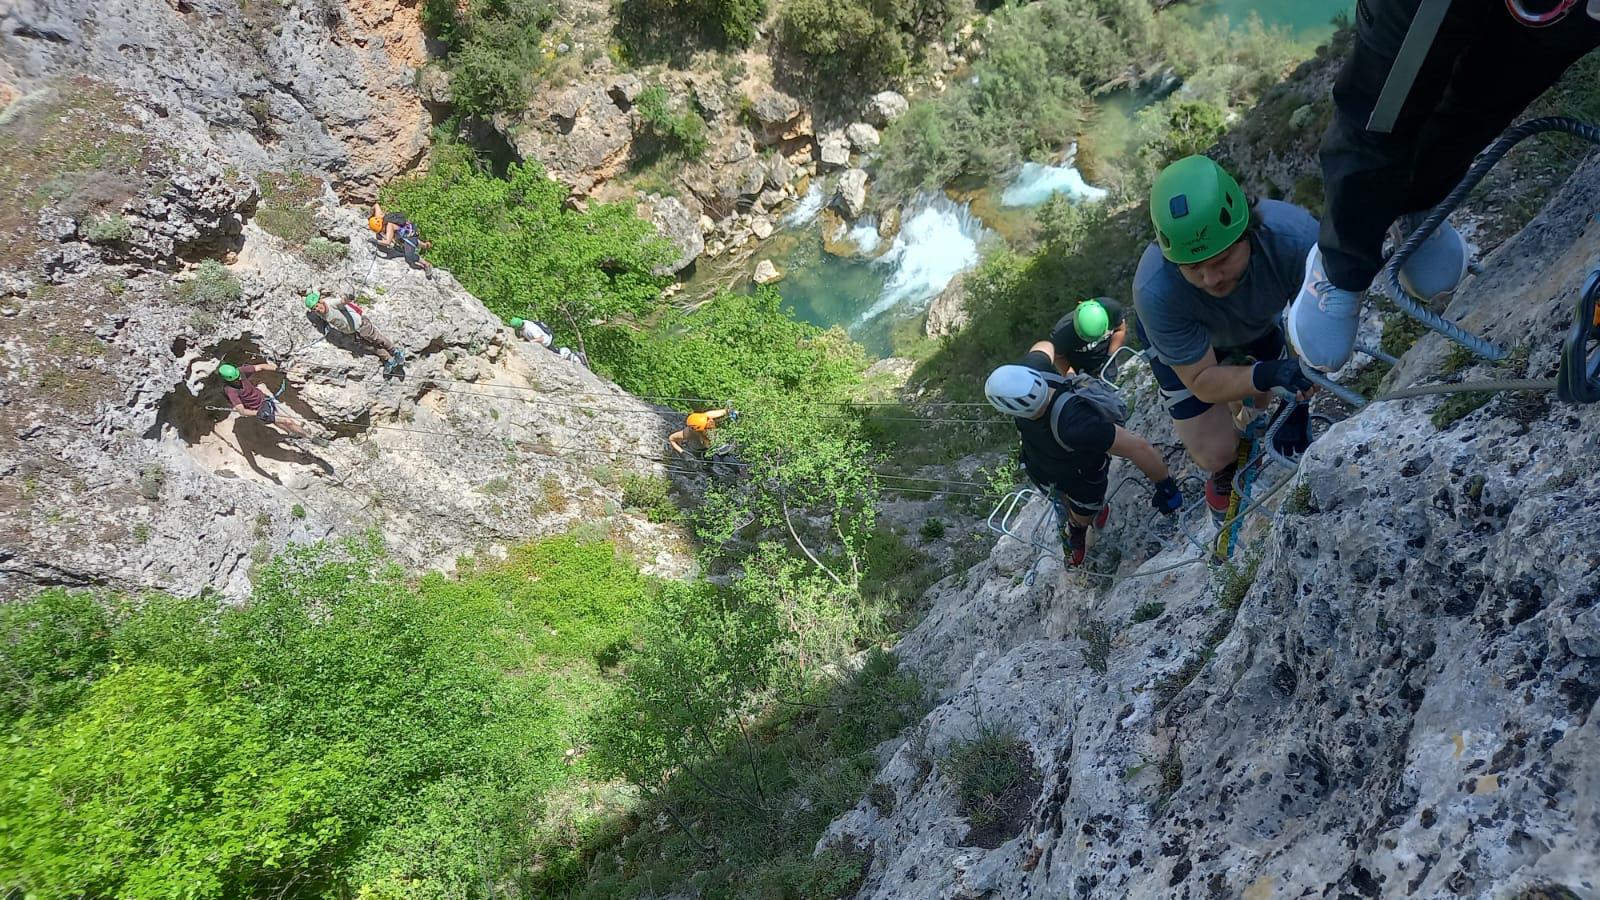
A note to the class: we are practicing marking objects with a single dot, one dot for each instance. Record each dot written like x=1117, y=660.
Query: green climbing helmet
x=312, y=299
x=228, y=372
x=516, y=322
x=1090, y=320
x=1199, y=210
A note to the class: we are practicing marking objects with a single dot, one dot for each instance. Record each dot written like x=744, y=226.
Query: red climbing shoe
x=1075, y=544
x=1219, y=488
x=1102, y=518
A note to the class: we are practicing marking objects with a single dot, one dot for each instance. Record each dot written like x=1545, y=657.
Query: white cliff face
x=1403, y=703
x=120, y=466
x=328, y=84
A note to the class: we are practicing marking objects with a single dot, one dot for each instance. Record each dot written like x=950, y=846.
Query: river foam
x=938, y=240
x=1037, y=183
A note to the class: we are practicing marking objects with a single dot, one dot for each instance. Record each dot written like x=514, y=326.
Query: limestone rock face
x=1401, y=701
x=121, y=466
x=851, y=194
x=582, y=133
x=330, y=86
x=680, y=225
x=774, y=110
x=947, y=314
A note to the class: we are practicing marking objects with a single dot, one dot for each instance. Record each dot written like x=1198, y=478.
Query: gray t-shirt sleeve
x=1178, y=340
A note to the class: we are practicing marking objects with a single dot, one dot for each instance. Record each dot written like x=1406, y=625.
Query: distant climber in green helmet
x=540, y=333
x=1086, y=338
x=1210, y=292
x=249, y=400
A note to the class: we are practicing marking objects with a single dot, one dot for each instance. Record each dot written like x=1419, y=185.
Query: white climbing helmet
x=1017, y=391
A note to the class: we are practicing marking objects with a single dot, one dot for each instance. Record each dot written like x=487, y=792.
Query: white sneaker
x=1436, y=269
x=1322, y=320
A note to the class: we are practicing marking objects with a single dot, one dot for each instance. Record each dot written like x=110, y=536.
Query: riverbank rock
x=836, y=234
x=947, y=314
x=885, y=107
x=851, y=193
x=833, y=150
x=862, y=136
x=1398, y=699
x=766, y=273
x=774, y=110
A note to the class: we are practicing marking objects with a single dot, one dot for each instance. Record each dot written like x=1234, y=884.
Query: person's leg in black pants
x=1482, y=70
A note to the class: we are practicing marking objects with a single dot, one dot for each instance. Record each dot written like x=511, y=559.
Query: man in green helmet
x=247, y=399
x=349, y=319
x=1086, y=338
x=1210, y=292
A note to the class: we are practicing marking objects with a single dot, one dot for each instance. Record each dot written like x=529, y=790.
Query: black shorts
x=1084, y=492
x=395, y=219
x=1181, y=402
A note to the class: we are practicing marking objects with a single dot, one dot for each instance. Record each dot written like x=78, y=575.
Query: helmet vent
x=1225, y=217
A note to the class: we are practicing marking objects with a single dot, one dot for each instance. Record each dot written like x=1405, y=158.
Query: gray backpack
x=1105, y=400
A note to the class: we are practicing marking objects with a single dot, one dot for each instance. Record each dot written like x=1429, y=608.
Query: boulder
x=680, y=226
x=885, y=107
x=779, y=171
x=624, y=90
x=766, y=273
x=851, y=193
x=761, y=227
x=836, y=234
x=581, y=133
x=947, y=314
x=833, y=150
x=774, y=110
x=862, y=136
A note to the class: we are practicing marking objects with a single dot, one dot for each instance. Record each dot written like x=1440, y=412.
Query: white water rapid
x=806, y=208
x=938, y=240
x=1037, y=183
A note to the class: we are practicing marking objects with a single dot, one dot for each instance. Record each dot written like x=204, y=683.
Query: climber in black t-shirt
x=1086, y=338
x=1069, y=435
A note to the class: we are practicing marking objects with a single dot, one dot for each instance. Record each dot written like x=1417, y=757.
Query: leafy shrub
x=1147, y=612
x=50, y=650
x=492, y=50
x=650, y=494
x=985, y=772
x=932, y=530
x=324, y=253
x=511, y=242
x=652, y=27
x=212, y=288
x=107, y=229
x=344, y=734
x=845, y=43
x=679, y=133
x=1027, y=96
x=288, y=204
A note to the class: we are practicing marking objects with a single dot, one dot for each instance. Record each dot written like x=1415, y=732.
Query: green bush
x=651, y=494
x=652, y=27
x=324, y=253
x=492, y=49
x=680, y=133
x=845, y=44
x=513, y=244
x=107, y=229
x=212, y=288
x=345, y=734
x=288, y=206
x=932, y=530
x=985, y=771
x=1028, y=94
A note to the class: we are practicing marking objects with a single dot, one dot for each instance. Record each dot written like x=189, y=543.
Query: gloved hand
x=1293, y=437
x=1167, y=498
x=733, y=415
x=1279, y=373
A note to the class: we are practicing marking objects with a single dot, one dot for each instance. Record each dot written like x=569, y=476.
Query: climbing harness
x=1390, y=276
